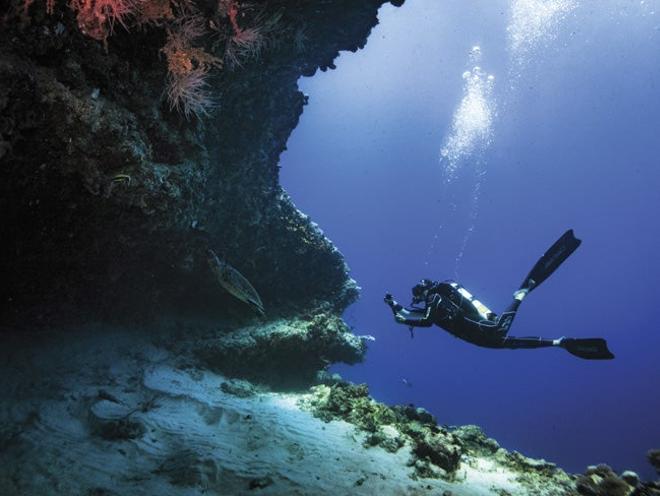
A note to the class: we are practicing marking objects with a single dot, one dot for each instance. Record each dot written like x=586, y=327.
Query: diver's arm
x=411, y=316
x=413, y=320
x=391, y=302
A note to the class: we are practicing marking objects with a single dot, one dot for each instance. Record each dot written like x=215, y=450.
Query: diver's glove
x=389, y=299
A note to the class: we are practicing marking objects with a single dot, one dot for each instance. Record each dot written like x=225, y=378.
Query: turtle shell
x=235, y=283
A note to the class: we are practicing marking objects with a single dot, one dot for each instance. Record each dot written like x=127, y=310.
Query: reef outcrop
x=285, y=353
x=435, y=451
x=109, y=197
x=601, y=480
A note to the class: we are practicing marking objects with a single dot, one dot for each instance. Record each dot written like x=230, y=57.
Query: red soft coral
x=244, y=43
x=188, y=68
x=97, y=18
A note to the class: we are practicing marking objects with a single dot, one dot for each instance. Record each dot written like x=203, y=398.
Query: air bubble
x=472, y=121
x=534, y=22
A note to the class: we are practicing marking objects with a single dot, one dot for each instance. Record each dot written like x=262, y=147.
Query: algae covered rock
x=435, y=446
x=413, y=413
x=351, y=403
x=653, y=457
x=520, y=462
x=534, y=473
x=475, y=440
x=435, y=451
x=631, y=478
x=601, y=480
x=536, y=476
x=282, y=353
x=239, y=388
x=387, y=437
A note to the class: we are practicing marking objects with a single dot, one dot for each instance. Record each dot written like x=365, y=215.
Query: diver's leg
x=528, y=342
x=505, y=320
x=546, y=265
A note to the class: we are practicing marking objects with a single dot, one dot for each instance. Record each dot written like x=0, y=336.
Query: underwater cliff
x=112, y=183
x=135, y=139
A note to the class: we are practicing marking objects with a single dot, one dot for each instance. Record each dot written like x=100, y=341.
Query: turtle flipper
x=235, y=283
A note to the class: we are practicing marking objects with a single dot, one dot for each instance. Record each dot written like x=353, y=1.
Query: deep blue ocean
x=462, y=141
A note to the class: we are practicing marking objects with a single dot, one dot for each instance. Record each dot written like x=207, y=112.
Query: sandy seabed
x=116, y=413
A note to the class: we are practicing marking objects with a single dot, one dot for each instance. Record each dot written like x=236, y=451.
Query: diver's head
x=421, y=290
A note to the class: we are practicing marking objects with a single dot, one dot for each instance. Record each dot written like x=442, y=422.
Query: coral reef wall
x=110, y=198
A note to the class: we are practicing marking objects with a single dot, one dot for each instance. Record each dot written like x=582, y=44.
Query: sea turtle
x=234, y=282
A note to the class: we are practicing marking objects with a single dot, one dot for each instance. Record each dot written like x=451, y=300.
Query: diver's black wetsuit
x=453, y=308
x=448, y=306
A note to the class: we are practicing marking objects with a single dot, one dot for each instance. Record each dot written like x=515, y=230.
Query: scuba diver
x=452, y=307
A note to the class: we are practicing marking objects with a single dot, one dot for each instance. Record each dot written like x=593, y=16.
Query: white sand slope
x=117, y=414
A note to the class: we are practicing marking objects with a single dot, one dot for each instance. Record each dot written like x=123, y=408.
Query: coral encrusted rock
x=435, y=451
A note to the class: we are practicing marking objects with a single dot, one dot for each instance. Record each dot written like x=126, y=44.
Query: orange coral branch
x=188, y=69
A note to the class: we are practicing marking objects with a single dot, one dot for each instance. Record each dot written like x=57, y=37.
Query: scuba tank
x=470, y=304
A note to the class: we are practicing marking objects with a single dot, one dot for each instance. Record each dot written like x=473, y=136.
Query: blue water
x=566, y=134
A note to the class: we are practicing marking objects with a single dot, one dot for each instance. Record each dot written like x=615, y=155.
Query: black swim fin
x=589, y=348
x=551, y=260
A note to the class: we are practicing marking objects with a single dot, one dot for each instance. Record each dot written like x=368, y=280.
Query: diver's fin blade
x=551, y=260
x=589, y=349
